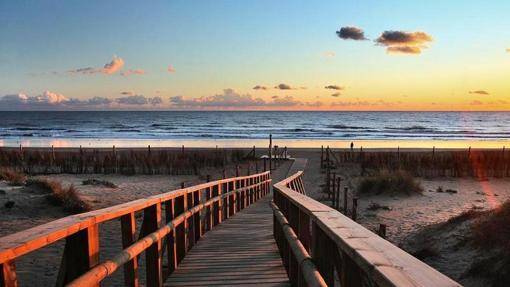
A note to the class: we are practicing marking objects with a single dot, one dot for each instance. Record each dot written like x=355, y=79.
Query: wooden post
x=182, y=184
x=354, y=208
x=128, y=227
x=265, y=164
x=346, y=191
x=81, y=252
x=149, y=149
x=151, y=223
x=322, y=156
x=8, y=275
x=382, y=230
x=170, y=239
x=237, y=170
x=270, y=150
x=337, y=205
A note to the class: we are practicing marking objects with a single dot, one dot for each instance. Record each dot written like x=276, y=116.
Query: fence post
x=337, y=204
x=8, y=275
x=354, y=208
x=151, y=222
x=346, y=190
x=81, y=252
x=128, y=230
x=382, y=230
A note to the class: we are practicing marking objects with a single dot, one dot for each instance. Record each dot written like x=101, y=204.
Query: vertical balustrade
x=128, y=229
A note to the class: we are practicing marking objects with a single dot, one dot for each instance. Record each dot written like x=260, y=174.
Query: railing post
x=170, y=241
x=321, y=248
x=180, y=231
x=8, y=278
x=81, y=252
x=128, y=227
x=152, y=221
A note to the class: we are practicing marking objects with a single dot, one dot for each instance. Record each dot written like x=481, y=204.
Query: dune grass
x=492, y=229
x=12, y=177
x=386, y=182
x=58, y=195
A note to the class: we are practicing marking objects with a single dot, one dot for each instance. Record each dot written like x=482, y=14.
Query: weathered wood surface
x=239, y=251
x=344, y=246
x=183, y=226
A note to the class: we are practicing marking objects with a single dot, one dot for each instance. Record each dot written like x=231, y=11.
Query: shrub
x=12, y=177
x=492, y=229
x=398, y=182
x=58, y=195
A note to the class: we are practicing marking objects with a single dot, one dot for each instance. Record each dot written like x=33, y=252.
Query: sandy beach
x=403, y=215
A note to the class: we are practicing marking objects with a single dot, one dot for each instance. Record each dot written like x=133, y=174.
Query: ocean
x=114, y=126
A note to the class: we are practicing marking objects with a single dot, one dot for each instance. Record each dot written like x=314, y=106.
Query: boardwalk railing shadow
x=172, y=223
x=320, y=246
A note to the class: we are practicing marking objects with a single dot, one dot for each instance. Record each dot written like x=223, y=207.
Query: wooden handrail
x=189, y=212
x=339, y=245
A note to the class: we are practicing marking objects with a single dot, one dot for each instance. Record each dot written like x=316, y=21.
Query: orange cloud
x=480, y=92
x=171, y=69
x=404, y=49
x=133, y=72
x=116, y=64
x=109, y=68
x=404, y=42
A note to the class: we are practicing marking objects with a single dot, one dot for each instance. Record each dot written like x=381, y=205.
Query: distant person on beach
x=352, y=146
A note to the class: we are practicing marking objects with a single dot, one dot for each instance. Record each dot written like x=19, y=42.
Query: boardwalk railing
x=320, y=246
x=188, y=214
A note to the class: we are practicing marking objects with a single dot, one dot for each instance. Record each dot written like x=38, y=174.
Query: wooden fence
x=188, y=214
x=320, y=246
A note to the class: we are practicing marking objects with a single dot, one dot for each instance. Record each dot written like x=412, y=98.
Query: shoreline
x=249, y=143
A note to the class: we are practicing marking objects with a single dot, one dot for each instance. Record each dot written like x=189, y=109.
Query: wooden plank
x=8, y=278
x=152, y=221
x=239, y=251
x=128, y=227
x=81, y=252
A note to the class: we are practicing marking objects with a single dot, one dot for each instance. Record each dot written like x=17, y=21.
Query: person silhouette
x=352, y=146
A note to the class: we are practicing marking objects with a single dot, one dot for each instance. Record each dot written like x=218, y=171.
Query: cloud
x=360, y=103
x=404, y=49
x=109, y=68
x=84, y=71
x=171, y=69
x=230, y=99
x=128, y=93
x=54, y=101
x=328, y=54
x=98, y=101
x=336, y=95
x=116, y=64
x=258, y=87
x=139, y=100
x=283, y=87
x=480, y=92
x=508, y=50
x=404, y=42
x=334, y=87
x=286, y=101
x=351, y=33
x=132, y=72
x=476, y=103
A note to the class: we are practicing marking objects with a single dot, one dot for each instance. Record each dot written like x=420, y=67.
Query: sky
x=255, y=55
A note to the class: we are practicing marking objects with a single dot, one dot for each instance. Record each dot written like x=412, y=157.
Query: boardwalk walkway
x=239, y=251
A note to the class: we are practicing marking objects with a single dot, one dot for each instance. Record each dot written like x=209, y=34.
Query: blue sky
x=218, y=45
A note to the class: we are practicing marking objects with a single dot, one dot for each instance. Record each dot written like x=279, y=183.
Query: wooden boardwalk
x=239, y=251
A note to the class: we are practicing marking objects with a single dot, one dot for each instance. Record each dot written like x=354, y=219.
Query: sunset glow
x=259, y=55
